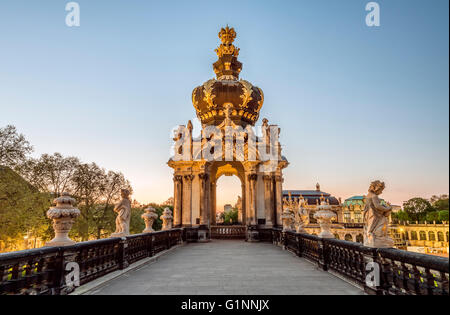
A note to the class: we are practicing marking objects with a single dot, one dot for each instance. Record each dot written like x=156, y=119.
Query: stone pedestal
x=252, y=234
x=63, y=216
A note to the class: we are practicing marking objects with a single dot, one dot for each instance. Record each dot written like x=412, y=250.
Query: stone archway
x=218, y=170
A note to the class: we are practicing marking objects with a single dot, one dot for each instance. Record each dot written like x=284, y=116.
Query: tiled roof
x=313, y=196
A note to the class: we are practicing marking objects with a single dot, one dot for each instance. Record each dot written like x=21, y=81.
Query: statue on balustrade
x=123, y=210
x=376, y=218
x=301, y=215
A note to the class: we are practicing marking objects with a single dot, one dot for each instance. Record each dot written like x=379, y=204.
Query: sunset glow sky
x=354, y=103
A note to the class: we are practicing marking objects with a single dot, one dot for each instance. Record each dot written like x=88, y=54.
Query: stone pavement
x=228, y=267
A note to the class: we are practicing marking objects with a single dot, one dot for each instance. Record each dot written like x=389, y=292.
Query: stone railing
x=399, y=272
x=50, y=270
x=228, y=232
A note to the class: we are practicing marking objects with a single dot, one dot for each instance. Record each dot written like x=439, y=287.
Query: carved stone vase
x=167, y=219
x=325, y=216
x=63, y=216
x=149, y=217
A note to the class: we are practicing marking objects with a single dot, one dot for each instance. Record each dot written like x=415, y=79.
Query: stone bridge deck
x=227, y=267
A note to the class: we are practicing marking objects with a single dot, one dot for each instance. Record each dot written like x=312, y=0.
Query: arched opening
x=423, y=235
x=349, y=237
x=360, y=238
x=431, y=236
x=229, y=200
x=413, y=235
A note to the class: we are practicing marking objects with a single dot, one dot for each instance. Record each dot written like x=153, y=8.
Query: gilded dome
x=212, y=97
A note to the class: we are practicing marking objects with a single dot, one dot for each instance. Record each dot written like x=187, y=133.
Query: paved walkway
x=228, y=267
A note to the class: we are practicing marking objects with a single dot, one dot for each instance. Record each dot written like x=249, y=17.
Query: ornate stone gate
x=230, y=144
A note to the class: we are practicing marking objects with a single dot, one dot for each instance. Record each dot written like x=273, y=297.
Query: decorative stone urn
x=63, y=216
x=324, y=216
x=167, y=219
x=149, y=217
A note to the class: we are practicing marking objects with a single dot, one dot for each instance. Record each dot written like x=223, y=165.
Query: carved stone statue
x=376, y=218
x=149, y=217
x=301, y=216
x=288, y=215
x=123, y=210
x=167, y=219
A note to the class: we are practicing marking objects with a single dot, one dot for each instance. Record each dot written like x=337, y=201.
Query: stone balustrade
x=400, y=272
x=44, y=271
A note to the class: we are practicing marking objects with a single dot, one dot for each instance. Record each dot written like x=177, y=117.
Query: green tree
x=441, y=204
x=433, y=216
x=417, y=208
x=231, y=217
x=22, y=211
x=401, y=216
x=51, y=173
x=443, y=216
x=14, y=148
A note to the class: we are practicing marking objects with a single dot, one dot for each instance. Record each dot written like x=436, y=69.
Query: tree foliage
x=417, y=209
x=231, y=217
x=22, y=210
x=14, y=148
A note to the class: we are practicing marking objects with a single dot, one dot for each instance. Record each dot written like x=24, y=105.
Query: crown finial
x=227, y=36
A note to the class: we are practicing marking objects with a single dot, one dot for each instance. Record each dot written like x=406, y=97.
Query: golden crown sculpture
x=227, y=35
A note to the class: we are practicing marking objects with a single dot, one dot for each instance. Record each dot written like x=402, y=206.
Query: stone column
x=177, y=199
x=278, y=198
x=252, y=178
x=213, y=203
x=268, y=204
x=203, y=199
x=241, y=214
x=187, y=200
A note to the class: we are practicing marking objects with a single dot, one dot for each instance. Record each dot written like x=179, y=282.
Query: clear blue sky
x=354, y=103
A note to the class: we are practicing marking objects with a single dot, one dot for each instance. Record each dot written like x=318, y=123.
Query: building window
x=440, y=237
x=358, y=217
x=413, y=235
x=431, y=236
x=423, y=235
x=347, y=217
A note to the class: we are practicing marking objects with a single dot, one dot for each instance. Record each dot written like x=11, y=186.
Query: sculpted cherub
x=123, y=210
x=376, y=218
